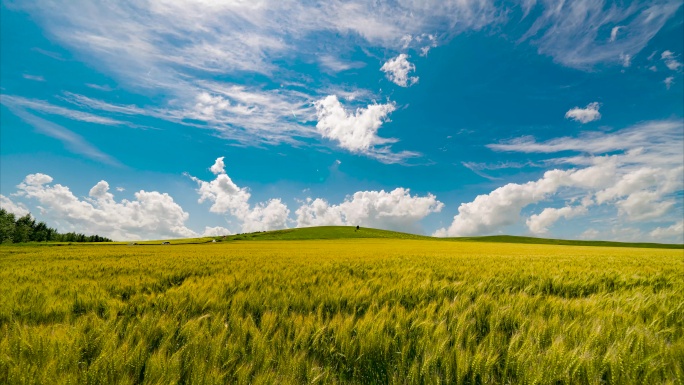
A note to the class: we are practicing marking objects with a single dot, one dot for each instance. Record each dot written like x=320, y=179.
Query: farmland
x=365, y=310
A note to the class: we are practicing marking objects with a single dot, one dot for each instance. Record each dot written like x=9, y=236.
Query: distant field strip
x=359, y=311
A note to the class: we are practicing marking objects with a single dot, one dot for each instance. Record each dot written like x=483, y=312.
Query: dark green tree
x=23, y=229
x=7, y=220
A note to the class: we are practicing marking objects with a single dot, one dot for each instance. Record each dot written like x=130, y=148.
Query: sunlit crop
x=358, y=311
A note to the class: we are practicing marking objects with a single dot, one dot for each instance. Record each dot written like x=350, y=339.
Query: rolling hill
x=350, y=232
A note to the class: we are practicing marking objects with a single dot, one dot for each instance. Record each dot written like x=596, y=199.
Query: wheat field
x=358, y=311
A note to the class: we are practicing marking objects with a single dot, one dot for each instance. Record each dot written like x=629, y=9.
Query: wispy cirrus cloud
x=35, y=78
x=170, y=49
x=572, y=32
x=49, y=108
x=334, y=64
x=234, y=112
x=71, y=140
x=664, y=135
x=479, y=168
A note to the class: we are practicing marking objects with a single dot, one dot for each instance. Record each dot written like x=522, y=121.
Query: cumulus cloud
x=151, y=215
x=396, y=209
x=397, y=70
x=639, y=194
x=266, y=216
x=500, y=208
x=16, y=208
x=668, y=82
x=357, y=131
x=215, y=231
x=640, y=181
x=669, y=58
x=540, y=223
x=584, y=115
x=675, y=231
x=229, y=198
x=218, y=167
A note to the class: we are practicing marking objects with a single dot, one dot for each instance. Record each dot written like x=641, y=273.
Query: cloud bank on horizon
x=455, y=118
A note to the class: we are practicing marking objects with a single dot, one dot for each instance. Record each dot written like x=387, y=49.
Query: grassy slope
x=324, y=232
x=350, y=232
x=342, y=232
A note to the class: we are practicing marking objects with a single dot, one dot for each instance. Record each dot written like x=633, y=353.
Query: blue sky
x=181, y=118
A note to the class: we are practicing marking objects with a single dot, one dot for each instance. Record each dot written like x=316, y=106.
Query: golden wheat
x=347, y=311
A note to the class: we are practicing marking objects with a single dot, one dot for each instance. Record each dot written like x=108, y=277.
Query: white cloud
x=269, y=216
x=151, y=215
x=430, y=39
x=619, y=233
x=640, y=181
x=357, y=131
x=572, y=32
x=218, y=167
x=130, y=37
x=540, y=223
x=670, y=61
x=614, y=32
x=675, y=231
x=589, y=234
x=120, y=189
x=18, y=208
x=668, y=82
x=17, y=102
x=36, y=78
x=396, y=209
x=249, y=116
x=397, y=70
x=665, y=135
x=584, y=115
x=500, y=208
x=644, y=205
x=170, y=48
x=334, y=64
x=228, y=198
x=99, y=87
x=71, y=140
x=215, y=231
x=639, y=194
x=626, y=59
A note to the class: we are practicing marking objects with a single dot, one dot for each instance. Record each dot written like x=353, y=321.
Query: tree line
x=26, y=229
